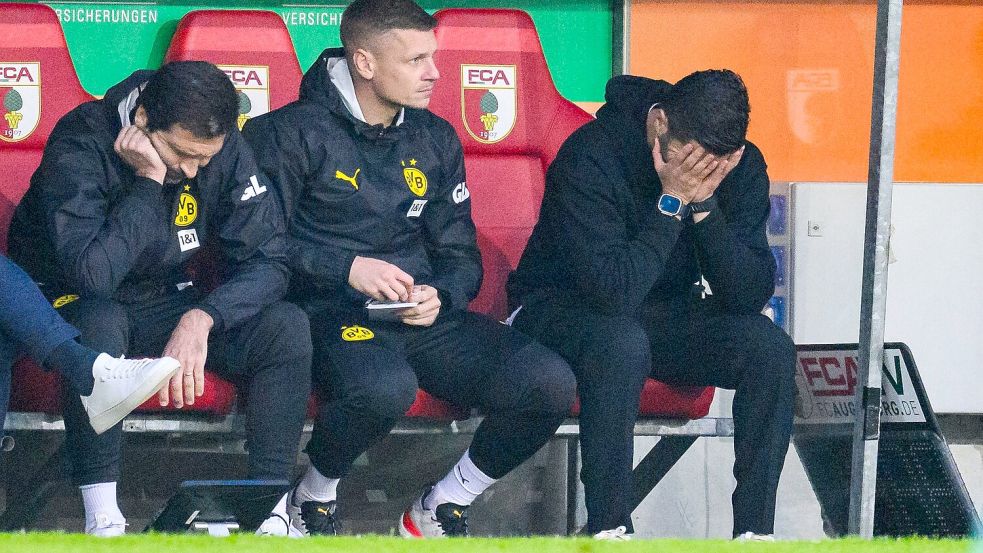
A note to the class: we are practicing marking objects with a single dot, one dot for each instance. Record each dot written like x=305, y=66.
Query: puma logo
x=350, y=180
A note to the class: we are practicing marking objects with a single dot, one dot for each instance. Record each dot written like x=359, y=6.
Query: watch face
x=670, y=205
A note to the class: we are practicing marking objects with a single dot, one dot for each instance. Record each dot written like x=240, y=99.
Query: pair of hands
x=372, y=277
x=691, y=173
x=386, y=282
x=134, y=147
x=189, y=341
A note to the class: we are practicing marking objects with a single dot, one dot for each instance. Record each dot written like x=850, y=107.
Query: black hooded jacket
x=602, y=243
x=89, y=226
x=350, y=189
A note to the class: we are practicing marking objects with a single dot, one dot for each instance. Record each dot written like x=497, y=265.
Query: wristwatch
x=705, y=206
x=672, y=206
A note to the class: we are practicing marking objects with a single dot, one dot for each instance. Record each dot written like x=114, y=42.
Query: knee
x=103, y=324
x=289, y=330
x=620, y=346
x=387, y=398
x=550, y=384
x=772, y=350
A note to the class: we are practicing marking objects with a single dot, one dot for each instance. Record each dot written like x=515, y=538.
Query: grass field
x=59, y=543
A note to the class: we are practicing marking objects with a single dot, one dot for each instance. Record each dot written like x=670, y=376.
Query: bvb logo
x=356, y=333
x=64, y=300
x=187, y=210
x=415, y=178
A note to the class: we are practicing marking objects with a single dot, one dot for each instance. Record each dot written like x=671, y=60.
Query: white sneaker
x=106, y=526
x=278, y=524
x=121, y=385
x=447, y=519
x=311, y=518
x=615, y=534
x=751, y=536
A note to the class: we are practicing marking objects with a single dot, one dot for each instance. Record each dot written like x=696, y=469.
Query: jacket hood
x=627, y=102
x=628, y=99
x=329, y=83
x=121, y=99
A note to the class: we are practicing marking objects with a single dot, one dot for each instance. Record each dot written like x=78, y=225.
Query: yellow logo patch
x=352, y=180
x=187, y=209
x=64, y=300
x=356, y=333
x=415, y=179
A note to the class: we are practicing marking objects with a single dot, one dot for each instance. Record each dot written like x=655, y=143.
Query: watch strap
x=706, y=205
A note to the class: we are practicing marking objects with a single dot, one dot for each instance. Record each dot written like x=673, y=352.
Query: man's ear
x=657, y=120
x=364, y=63
x=140, y=118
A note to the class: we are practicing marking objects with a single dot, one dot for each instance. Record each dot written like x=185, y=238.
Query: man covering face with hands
x=658, y=195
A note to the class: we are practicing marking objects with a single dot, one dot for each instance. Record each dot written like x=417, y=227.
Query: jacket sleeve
x=252, y=237
x=284, y=160
x=96, y=245
x=610, y=264
x=452, y=240
x=732, y=244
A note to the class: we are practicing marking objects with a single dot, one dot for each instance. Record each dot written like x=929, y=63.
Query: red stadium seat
x=253, y=47
x=493, y=57
x=36, y=73
x=38, y=85
x=496, y=89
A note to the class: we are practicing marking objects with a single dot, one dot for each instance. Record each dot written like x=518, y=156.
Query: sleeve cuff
x=147, y=187
x=712, y=225
x=446, y=303
x=658, y=226
x=218, y=324
x=345, y=261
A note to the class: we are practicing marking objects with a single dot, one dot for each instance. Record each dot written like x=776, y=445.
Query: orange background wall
x=808, y=66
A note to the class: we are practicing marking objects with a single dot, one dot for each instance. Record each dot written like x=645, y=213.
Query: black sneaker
x=446, y=520
x=319, y=518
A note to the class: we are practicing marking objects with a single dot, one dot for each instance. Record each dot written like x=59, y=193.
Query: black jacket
x=311, y=150
x=89, y=226
x=602, y=243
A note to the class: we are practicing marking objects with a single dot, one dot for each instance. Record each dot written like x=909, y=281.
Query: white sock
x=314, y=486
x=462, y=485
x=100, y=498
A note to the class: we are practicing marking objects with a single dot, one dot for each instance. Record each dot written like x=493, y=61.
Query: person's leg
x=28, y=320
x=365, y=385
x=524, y=390
x=610, y=358
x=271, y=355
x=751, y=355
x=94, y=459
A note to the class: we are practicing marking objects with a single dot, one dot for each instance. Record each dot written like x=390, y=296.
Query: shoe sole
x=162, y=371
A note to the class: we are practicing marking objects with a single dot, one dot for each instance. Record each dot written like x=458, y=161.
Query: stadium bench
x=506, y=157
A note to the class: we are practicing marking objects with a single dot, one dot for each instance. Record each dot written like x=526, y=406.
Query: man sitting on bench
x=132, y=192
x=660, y=190
x=374, y=190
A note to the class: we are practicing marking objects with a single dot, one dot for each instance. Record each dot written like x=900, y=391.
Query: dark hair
x=195, y=94
x=710, y=107
x=364, y=19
